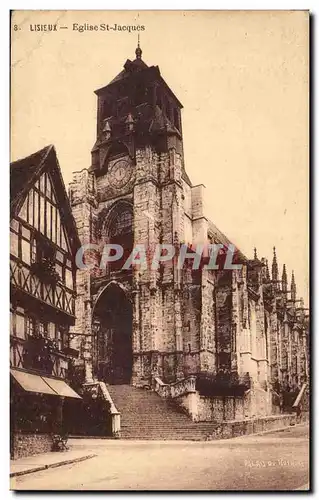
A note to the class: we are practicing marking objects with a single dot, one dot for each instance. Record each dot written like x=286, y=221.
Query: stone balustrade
x=176, y=389
x=302, y=398
x=99, y=386
x=116, y=416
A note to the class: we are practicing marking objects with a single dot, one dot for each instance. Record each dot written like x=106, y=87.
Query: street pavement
x=270, y=461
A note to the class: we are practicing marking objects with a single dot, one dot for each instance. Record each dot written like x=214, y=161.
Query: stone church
x=199, y=336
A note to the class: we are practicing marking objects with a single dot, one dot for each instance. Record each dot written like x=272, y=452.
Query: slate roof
x=221, y=238
x=22, y=171
x=23, y=175
x=129, y=68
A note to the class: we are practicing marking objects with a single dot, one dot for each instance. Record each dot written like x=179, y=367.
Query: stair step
x=144, y=415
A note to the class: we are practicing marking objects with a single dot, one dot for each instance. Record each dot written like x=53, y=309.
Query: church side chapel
x=216, y=345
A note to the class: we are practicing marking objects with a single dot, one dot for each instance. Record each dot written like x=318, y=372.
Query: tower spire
x=138, y=50
x=284, y=279
x=255, y=254
x=293, y=287
x=267, y=271
x=274, y=268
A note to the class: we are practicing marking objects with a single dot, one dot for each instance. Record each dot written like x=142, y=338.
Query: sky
x=242, y=78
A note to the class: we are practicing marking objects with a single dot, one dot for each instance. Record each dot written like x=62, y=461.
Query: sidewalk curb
x=270, y=431
x=51, y=466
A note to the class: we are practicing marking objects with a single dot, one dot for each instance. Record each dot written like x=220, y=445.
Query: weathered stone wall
x=227, y=430
x=184, y=322
x=223, y=319
x=219, y=409
x=188, y=215
x=83, y=202
x=258, y=402
x=208, y=324
x=200, y=223
x=27, y=444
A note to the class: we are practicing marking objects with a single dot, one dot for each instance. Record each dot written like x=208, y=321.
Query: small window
x=43, y=329
x=14, y=244
x=25, y=232
x=60, y=256
x=25, y=248
x=14, y=224
x=20, y=326
x=60, y=337
x=34, y=251
x=51, y=331
x=30, y=330
x=59, y=270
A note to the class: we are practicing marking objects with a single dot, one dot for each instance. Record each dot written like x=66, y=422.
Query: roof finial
x=138, y=51
x=267, y=271
x=284, y=280
x=293, y=287
x=274, y=269
x=255, y=254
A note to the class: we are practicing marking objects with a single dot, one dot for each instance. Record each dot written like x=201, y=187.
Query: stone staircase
x=145, y=415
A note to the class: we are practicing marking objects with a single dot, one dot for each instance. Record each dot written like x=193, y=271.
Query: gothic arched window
x=121, y=224
x=120, y=232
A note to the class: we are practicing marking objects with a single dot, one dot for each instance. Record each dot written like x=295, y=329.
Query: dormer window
x=106, y=129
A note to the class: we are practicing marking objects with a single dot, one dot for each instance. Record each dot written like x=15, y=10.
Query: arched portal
x=113, y=357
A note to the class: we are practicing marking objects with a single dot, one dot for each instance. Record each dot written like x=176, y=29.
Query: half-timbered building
x=43, y=242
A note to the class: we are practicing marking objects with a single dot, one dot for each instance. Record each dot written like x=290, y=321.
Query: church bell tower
x=134, y=196
x=136, y=110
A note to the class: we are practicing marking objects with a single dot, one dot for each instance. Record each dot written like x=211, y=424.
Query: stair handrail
x=115, y=414
x=299, y=397
x=175, y=389
x=161, y=388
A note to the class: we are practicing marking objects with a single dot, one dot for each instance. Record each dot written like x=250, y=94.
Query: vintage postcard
x=159, y=250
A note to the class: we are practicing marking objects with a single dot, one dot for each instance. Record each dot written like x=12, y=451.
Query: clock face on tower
x=120, y=173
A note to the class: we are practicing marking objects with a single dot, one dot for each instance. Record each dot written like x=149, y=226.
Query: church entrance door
x=113, y=357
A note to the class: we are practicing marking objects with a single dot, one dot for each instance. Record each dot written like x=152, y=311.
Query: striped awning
x=61, y=388
x=31, y=382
